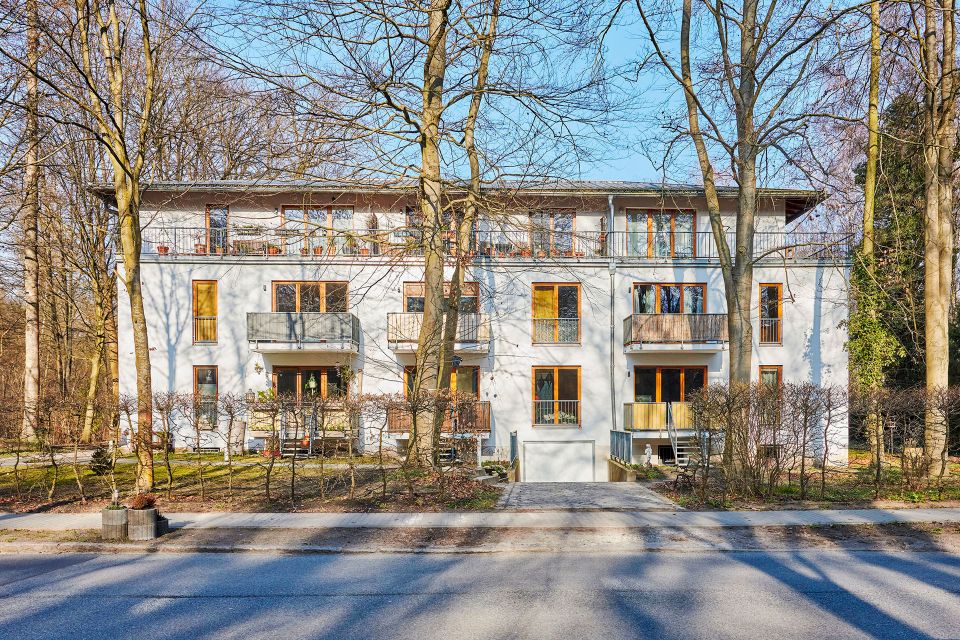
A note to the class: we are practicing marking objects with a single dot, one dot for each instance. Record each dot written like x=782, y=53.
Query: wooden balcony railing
x=660, y=328
x=657, y=416
x=468, y=417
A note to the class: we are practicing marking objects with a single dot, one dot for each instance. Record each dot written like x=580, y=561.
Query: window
x=771, y=381
x=556, y=395
x=204, y=311
x=661, y=394
x=771, y=376
x=661, y=234
x=216, y=222
x=205, y=394
x=556, y=313
x=469, y=297
x=304, y=383
x=310, y=297
x=463, y=379
x=771, y=313
x=323, y=229
x=552, y=232
x=669, y=298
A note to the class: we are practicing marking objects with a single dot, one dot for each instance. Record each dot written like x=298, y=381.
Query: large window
x=326, y=229
x=205, y=394
x=661, y=234
x=464, y=380
x=556, y=313
x=217, y=218
x=204, y=311
x=304, y=383
x=556, y=395
x=771, y=313
x=669, y=298
x=552, y=232
x=469, y=297
x=310, y=297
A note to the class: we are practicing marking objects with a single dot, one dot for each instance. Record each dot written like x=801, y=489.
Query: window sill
x=552, y=425
x=204, y=343
x=557, y=344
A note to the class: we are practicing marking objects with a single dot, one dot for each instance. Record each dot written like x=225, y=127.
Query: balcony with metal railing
x=473, y=332
x=280, y=332
x=771, y=330
x=204, y=329
x=556, y=413
x=466, y=418
x=673, y=332
x=517, y=243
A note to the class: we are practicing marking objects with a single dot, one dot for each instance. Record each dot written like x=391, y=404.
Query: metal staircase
x=684, y=448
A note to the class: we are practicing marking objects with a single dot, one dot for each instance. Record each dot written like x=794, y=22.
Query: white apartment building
x=592, y=308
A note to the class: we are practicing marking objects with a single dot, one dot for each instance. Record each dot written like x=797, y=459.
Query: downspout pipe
x=612, y=269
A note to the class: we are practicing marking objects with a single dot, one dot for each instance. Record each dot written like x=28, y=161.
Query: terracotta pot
x=365, y=251
x=318, y=251
x=163, y=249
x=274, y=251
x=200, y=249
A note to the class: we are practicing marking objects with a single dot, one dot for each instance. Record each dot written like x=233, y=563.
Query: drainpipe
x=612, y=268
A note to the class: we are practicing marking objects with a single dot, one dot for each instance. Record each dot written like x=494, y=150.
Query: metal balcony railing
x=204, y=329
x=341, y=329
x=556, y=330
x=468, y=417
x=666, y=328
x=556, y=412
x=770, y=331
x=404, y=328
x=489, y=244
x=657, y=416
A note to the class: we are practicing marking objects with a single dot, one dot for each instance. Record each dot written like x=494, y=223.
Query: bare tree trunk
x=31, y=210
x=940, y=138
x=430, y=342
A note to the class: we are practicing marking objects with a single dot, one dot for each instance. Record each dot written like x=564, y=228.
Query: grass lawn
x=244, y=487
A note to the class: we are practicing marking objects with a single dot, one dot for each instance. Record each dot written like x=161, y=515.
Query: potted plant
x=541, y=253
x=318, y=249
x=332, y=250
x=273, y=250
x=142, y=517
x=163, y=249
x=200, y=248
x=525, y=252
x=114, y=520
x=364, y=251
x=304, y=251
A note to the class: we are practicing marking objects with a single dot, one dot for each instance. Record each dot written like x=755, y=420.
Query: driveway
x=583, y=496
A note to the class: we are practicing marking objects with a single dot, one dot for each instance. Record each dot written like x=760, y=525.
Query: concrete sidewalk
x=535, y=520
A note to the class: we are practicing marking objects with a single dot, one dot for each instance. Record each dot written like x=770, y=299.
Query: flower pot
x=163, y=249
x=200, y=249
x=163, y=526
x=365, y=252
x=273, y=251
x=304, y=251
x=142, y=524
x=318, y=251
x=113, y=524
x=526, y=253
x=331, y=250
x=541, y=254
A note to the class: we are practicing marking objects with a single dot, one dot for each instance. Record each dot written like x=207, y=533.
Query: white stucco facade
x=811, y=345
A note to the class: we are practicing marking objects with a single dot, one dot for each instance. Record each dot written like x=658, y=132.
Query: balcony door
x=310, y=297
x=306, y=383
x=670, y=298
x=661, y=234
x=464, y=380
x=667, y=384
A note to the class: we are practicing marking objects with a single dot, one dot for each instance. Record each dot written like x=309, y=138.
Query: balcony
x=657, y=419
x=675, y=332
x=473, y=332
x=770, y=331
x=282, y=332
x=556, y=413
x=515, y=243
x=469, y=418
x=556, y=331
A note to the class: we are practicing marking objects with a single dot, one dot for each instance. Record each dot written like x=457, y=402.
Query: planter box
x=163, y=526
x=142, y=524
x=113, y=524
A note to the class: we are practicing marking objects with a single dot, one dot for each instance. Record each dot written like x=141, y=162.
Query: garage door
x=558, y=461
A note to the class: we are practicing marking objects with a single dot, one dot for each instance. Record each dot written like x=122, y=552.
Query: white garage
x=558, y=461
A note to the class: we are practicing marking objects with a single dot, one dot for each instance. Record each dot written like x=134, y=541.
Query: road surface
x=768, y=595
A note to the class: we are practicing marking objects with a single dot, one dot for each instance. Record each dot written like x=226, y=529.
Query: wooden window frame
x=659, y=370
x=551, y=231
x=556, y=389
x=216, y=304
x=682, y=285
x=328, y=231
x=556, y=297
x=206, y=225
x=471, y=289
x=216, y=370
x=299, y=283
x=409, y=369
x=649, y=213
x=779, y=287
x=771, y=367
x=324, y=369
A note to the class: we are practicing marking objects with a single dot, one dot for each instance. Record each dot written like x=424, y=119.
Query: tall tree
x=31, y=212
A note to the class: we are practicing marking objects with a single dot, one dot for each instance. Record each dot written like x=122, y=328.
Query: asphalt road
x=806, y=594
